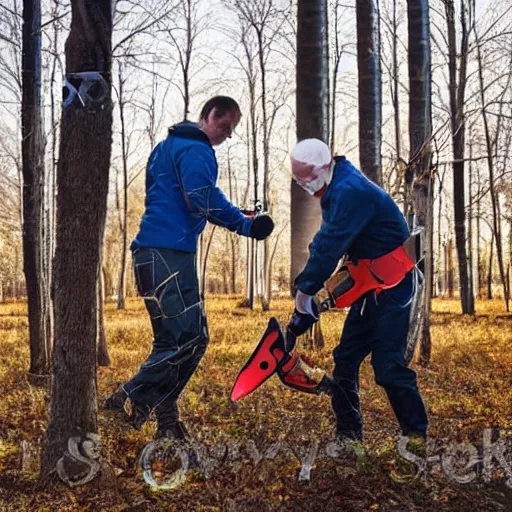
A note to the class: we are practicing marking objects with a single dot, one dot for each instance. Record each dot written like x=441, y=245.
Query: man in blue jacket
x=181, y=196
x=359, y=220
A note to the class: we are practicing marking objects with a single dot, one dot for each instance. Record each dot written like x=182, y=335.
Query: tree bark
x=205, y=261
x=188, y=55
x=312, y=97
x=420, y=134
x=457, y=90
x=230, y=236
x=121, y=289
x=83, y=168
x=451, y=269
x=267, y=289
x=103, y=355
x=253, y=165
x=396, y=101
x=445, y=269
x=338, y=52
x=32, y=149
x=370, y=89
x=492, y=184
x=439, y=240
x=471, y=283
x=479, y=262
x=489, y=273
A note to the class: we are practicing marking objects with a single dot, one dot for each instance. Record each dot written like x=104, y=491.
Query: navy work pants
x=377, y=325
x=167, y=280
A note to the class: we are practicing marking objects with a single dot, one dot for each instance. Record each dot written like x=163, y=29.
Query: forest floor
x=467, y=388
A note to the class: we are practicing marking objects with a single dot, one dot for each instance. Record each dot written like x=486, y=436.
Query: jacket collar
x=189, y=130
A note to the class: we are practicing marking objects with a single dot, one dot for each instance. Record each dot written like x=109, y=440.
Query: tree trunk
x=187, y=58
x=205, y=261
x=396, y=101
x=489, y=273
x=33, y=172
x=55, y=122
x=338, y=52
x=233, y=264
x=121, y=289
x=492, y=189
x=249, y=277
x=445, y=268
x=312, y=97
x=83, y=168
x=103, y=355
x=509, y=252
x=457, y=91
x=439, y=241
x=479, y=263
x=471, y=294
x=420, y=134
x=50, y=188
x=15, y=288
x=230, y=236
x=253, y=163
x=450, y=268
x=266, y=288
x=266, y=292
x=370, y=90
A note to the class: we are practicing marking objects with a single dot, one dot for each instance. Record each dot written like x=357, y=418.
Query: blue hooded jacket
x=181, y=193
x=358, y=219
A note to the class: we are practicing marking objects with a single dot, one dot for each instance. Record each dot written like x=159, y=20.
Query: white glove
x=305, y=304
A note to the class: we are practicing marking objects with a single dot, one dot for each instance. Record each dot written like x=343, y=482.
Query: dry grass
x=467, y=388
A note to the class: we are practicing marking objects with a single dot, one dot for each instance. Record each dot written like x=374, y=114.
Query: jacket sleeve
x=338, y=231
x=198, y=170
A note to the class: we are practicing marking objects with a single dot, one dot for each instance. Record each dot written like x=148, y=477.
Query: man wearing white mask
x=360, y=221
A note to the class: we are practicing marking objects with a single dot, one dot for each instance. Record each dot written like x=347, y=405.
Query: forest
x=416, y=94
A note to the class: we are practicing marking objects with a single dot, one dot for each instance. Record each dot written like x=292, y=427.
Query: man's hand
x=306, y=304
x=298, y=325
x=304, y=317
x=261, y=227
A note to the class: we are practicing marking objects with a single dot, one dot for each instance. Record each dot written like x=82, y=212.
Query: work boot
x=352, y=454
x=176, y=431
x=410, y=463
x=169, y=425
x=138, y=416
x=118, y=401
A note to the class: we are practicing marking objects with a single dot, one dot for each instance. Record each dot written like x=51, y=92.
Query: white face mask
x=317, y=186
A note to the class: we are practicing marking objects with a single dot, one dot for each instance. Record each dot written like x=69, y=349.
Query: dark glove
x=298, y=325
x=261, y=227
x=289, y=341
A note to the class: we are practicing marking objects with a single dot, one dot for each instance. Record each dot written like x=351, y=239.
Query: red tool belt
x=354, y=279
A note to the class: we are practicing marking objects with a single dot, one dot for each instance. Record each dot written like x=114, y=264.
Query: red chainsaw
x=269, y=357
